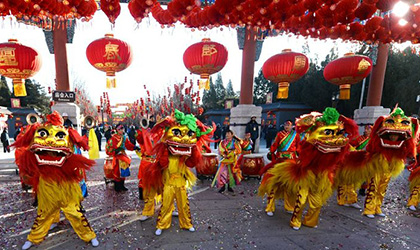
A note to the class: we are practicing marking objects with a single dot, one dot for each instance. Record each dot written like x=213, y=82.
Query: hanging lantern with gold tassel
x=205, y=58
x=18, y=62
x=347, y=70
x=110, y=55
x=285, y=68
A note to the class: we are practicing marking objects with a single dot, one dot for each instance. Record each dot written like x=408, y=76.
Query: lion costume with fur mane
x=46, y=160
x=311, y=176
x=392, y=142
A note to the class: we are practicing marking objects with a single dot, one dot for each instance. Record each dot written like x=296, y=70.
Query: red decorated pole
x=60, y=56
x=285, y=68
x=347, y=70
x=376, y=83
x=247, y=74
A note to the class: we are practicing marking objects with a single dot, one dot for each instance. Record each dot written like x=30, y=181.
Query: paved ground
x=222, y=221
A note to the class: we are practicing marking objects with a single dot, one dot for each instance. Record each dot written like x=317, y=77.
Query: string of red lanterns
x=345, y=19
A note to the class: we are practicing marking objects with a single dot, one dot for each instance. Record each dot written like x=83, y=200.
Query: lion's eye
x=43, y=133
x=60, y=135
x=405, y=122
x=390, y=121
x=341, y=132
x=176, y=132
x=191, y=133
x=329, y=132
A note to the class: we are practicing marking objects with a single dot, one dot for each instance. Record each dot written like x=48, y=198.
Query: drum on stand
x=209, y=166
x=108, y=170
x=252, y=164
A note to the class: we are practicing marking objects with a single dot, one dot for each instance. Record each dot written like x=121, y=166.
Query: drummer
x=246, y=146
x=283, y=148
x=228, y=174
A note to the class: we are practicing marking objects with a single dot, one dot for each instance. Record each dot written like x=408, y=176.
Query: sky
x=157, y=53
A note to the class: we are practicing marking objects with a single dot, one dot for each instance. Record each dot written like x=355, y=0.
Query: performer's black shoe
x=141, y=193
x=82, y=209
x=362, y=192
x=123, y=188
x=35, y=203
x=230, y=190
x=222, y=189
x=117, y=186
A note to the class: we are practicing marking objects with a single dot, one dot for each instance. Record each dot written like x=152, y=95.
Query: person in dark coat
x=253, y=129
x=108, y=133
x=224, y=130
x=132, y=135
x=270, y=135
x=5, y=140
x=17, y=132
x=67, y=122
x=99, y=137
x=217, y=135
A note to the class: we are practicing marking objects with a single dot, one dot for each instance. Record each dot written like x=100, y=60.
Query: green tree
x=4, y=93
x=36, y=97
x=210, y=97
x=402, y=81
x=262, y=87
x=230, y=93
x=220, y=91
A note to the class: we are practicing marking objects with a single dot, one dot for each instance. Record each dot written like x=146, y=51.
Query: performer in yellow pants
x=50, y=202
x=413, y=200
x=170, y=193
x=289, y=203
x=375, y=195
x=315, y=197
x=149, y=196
x=347, y=196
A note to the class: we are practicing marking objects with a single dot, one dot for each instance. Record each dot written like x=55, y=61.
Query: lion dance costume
x=346, y=194
x=49, y=165
x=283, y=148
x=310, y=177
x=413, y=200
x=392, y=141
x=149, y=195
x=179, y=140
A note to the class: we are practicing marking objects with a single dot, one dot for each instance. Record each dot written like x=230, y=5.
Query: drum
x=108, y=169
x=252, y=164
x=209, y=165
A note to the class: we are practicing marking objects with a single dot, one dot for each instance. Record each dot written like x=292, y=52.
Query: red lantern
x=205, y=58
x=18, y=62
x=347, y=70
x=285, y=68
x=110, y=55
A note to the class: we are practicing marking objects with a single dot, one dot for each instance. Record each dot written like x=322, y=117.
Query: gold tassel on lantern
x=19, y=87
x=205, y=81
x=110, y=80
x=207, y=86
x=345, y=92
x=283, y=90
